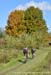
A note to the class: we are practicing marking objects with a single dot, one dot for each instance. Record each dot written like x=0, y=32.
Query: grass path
x=33, y=63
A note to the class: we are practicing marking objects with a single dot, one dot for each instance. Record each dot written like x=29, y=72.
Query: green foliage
x=27, y=21
x=26, y=40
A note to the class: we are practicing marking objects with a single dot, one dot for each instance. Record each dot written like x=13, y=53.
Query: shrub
x=7, y=55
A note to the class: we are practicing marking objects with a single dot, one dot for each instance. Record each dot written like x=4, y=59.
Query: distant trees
x=1, y=33
x=49, y=37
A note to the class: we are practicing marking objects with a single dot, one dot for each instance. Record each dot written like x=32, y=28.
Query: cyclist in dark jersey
x=32, y=52
x=25, y=52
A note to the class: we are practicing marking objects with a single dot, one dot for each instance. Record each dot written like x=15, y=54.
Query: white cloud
x=42, y=5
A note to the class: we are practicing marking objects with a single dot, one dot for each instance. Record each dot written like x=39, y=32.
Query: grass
x=45, y=65
x=32, y=63
x=13, y=62
x=14, y=67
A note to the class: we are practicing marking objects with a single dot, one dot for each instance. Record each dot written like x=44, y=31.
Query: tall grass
x=19, y=42
x=10, y=46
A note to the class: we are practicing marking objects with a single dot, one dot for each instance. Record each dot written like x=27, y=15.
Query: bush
x=20, y=42
x=7, y=55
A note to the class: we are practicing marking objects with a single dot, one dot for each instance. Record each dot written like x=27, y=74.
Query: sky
x=6, y=6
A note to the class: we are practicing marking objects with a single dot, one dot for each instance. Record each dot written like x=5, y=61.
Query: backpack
x=33, y=50
x=25, y=50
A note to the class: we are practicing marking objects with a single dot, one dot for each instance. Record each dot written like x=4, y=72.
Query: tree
x=30, y=21
x=34, y=20
x=14, y=24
